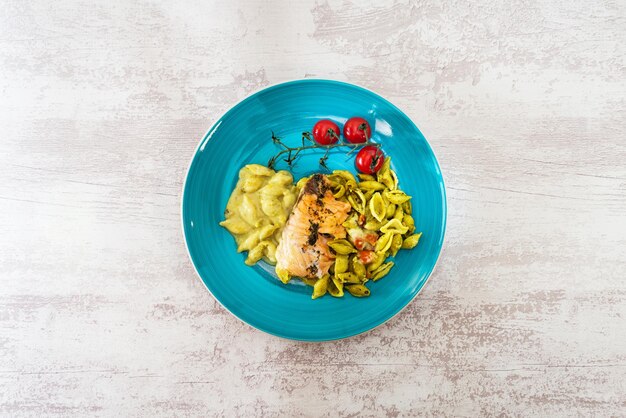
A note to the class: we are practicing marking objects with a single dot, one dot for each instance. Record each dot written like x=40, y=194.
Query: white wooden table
x=102, y=105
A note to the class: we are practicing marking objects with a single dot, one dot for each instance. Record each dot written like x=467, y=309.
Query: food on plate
x=325, y=136
x=258, y=209
x=333, y=231
x=370, y=159
x=314, y=225
x=326, y=132
x=357, y=130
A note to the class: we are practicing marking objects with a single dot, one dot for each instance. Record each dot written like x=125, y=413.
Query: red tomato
x=371, y=239
x=366, y=256
x=357, y=130
x=325, y=132
x=370, y=159
x=366, y=242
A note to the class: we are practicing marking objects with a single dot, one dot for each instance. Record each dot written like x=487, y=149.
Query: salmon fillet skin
x=315, y=219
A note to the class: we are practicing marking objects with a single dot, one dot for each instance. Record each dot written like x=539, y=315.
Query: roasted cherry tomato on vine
x=370, y=159
x=326, y=132
x=357, y=130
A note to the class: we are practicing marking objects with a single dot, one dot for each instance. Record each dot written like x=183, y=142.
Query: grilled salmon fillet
x=315, y=219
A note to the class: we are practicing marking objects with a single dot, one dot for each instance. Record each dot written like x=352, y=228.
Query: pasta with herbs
x=378, y=224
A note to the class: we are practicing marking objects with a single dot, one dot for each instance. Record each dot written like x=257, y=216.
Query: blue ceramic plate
x=243, y=136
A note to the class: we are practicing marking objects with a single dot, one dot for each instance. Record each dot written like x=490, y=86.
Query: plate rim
x=208, y=135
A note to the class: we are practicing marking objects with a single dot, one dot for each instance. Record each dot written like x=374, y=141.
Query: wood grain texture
x=102, y=105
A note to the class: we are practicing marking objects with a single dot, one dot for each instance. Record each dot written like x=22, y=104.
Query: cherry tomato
x=370, y=159
x=371, y=239
x=357, y=130
x=366, y=256
x=366, y=242
x=326, y=132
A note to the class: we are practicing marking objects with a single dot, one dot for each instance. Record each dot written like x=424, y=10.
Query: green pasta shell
x=378, y=261
x=394, y=226
x=348, y=277
x=371, y=185
x=394, y=176
x=407, y=207
x=397, y=196
x=377, y=207
x=387, y=180
x=357, y=200
x=366, y=177
x=391, y=210
x=351, y=222
x=335, y=180
x=338, y=190
x=373, y=225
x=341, y=264
x=342, y=246
x=382, y=271
x=411, y=241
x=335, y=287
x=383, y=243
x=399, y=214
x=408, y=221
x=368, y=195
x=345, y=175
x=396, y=244
x=358, y=268
x=384, y=169
x=357, y=290
x=320, y=287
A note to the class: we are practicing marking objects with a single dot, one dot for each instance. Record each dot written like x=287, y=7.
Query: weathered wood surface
x=102, y=105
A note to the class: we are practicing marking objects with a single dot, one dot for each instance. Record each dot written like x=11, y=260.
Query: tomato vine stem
x=293, y=152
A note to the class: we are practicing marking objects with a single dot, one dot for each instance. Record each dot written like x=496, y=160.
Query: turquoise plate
x=243, y=136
